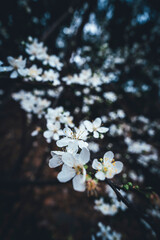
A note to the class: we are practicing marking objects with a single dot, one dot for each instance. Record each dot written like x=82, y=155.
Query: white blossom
x=95, y=127
x=94, y=147
x=108, y=167
x=73, y=168
x=53, y=61
x=110, y=96
x=56, y=159
x=78, y=137
x=17, y=64
x=106, y=233
x=36, y=50
x=31, y=103
x=54, y=131
x=33, y=73
x=52, y=76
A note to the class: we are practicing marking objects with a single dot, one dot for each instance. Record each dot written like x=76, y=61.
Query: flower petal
x=108, y=156
x=97, y=122
x=47, y=134
x=63, y=142
x=84, y=156
x=68, y=159
x=110, y=173
x=95, y=134
x=55, y=136
x=66, y=174
x=84, y=173
x=102, y=129
x=68, y=132
x=10, y=60
x=55, y=161
x=22, y=72
x=96, y=165
x=72, y=147
x=100, y=175
x=78, y=183
x=82, y=144
x=14, y=74
x=57, y=153
x=50, y=126
x=88, y=125
x=118, y=167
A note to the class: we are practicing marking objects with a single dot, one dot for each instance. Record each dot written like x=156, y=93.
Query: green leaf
x=126, y=187
x=130, y=184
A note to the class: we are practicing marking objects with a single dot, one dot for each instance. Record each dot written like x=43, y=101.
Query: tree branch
x=134, y=209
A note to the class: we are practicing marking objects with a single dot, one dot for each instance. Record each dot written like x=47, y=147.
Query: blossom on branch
x=78, y=137
x=107, y=168
x=73, y=168
x=95, y=127
x=17, y=64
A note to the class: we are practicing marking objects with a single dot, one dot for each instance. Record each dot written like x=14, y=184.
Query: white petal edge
x=55, y=161
x=66, y=174
x=68, y=159
x=97, y=122
x=84, y=156
x=96, y=165
x=108, y=156
x=100, y=175
x=78, y=184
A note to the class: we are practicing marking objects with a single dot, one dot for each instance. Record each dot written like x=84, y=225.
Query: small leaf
x=130, y=184
x=126, y=186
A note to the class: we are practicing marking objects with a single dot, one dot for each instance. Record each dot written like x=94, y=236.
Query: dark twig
x=134, y=209
x=50, y=30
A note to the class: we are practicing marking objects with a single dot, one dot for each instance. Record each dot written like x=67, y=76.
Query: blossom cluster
x=110, y=208
x=37, y=51
x=34, y=103
x=86, y=78
x=75, y=157
x=56, y=118
x=31, y=103
x=78, y=143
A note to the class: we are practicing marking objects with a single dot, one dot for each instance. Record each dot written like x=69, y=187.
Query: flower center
x=79, y=169
x=105, y=169
x=33, y=72
x=94, y=129
x=57, y=118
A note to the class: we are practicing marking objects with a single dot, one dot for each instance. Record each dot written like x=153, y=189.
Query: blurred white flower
x=16, y=64
x=53, y=61
x=54, y=131
x=34, y=73
x=110, y=96
x=52, y=76
x=36, y=50
x=94, y=147
x=106, y=233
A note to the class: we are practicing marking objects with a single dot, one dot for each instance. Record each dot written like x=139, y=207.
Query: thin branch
x=134, y=209
x=51, y=29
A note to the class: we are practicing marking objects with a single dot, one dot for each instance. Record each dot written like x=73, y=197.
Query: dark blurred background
x=31, y=205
